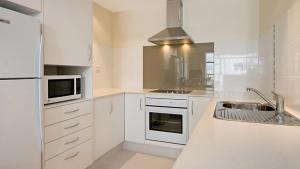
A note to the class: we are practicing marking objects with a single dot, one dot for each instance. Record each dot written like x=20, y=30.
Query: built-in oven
x=166, y=120
x=61, y=88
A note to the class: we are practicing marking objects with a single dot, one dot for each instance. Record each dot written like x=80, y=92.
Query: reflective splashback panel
x=189, y=66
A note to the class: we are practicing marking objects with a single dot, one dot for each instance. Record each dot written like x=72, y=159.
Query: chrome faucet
x=279, y=106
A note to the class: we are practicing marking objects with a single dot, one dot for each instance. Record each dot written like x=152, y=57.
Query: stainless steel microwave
x=61, y=88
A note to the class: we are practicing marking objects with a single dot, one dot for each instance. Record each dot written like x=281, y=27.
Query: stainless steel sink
x=253, y=112
x=248, y=106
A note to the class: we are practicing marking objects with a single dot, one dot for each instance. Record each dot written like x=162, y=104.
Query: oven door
x=166, y=124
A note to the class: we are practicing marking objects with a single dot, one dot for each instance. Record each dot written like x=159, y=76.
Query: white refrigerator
x=20, y=73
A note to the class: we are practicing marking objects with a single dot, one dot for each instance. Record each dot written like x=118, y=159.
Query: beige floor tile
x=114, y=159
x=143, y=161
x=119, y=158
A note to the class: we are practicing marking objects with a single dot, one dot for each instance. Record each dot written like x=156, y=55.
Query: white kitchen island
x=218, y=144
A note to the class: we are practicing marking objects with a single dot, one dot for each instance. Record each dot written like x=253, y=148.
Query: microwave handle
x=75, y=86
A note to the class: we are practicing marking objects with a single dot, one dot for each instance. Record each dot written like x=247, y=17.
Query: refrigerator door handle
x=5, y=21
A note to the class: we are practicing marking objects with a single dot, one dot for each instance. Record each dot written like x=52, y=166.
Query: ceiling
x=125, y=5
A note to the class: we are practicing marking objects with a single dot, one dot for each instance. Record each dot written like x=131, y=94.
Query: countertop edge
x=110, y=92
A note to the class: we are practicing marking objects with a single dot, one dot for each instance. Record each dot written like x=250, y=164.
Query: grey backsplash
x=188, y=66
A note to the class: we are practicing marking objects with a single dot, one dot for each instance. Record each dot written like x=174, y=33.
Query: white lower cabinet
x=62, y=113
x=65, y=143
x=135, y=118
x=68, y=136
x=59, y=130
x=197, y=106
x=109, y=123
x=79, y=157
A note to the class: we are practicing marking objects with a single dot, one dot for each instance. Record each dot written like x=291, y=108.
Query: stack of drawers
x=68, y=135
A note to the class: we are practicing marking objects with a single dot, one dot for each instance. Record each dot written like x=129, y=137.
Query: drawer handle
x=72, y=156
x=5, y=21
x=73, y=141
x=73, y=111
x=69, y=127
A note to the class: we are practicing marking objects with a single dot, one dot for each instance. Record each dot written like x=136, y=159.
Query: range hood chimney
x=174, y=34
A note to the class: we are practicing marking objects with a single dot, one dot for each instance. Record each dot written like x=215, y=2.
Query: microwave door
x=60, y=89
x=20, y=45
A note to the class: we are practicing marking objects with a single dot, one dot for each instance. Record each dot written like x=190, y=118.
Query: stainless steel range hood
x=173, y=34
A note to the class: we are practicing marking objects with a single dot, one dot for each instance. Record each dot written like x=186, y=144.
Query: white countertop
x=113, y=91
x=218, y=144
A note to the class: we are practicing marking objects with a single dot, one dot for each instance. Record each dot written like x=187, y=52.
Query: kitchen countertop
x=218, y=144
x=114, y=91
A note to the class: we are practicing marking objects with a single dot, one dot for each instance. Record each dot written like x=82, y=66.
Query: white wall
x=288, y=56
x=285, y=15
x=102, y=47
x=232, y=24
x=131, y=31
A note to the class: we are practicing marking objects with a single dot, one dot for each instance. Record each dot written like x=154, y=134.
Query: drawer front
x=62, y=113
x=79, y=157
x=67, y=127
x=58, y=146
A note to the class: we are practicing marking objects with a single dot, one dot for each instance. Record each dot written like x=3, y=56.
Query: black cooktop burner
x=172, y=91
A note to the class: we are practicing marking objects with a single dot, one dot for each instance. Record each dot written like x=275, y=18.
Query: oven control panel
x=166, y=102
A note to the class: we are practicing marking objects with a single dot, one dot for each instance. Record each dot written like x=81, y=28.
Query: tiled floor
x=143, y=161
x=123, y=159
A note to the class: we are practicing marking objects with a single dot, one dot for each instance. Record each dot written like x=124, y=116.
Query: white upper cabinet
x=68, y=32
x=197, y=106
x=32, y=4
x=135, y=118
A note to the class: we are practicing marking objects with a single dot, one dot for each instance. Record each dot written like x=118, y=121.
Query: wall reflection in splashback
x=188, y=66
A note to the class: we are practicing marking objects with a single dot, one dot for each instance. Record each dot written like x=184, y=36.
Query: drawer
x=67, y=127
x=58, y=146
x=62, y=113
x=79, y=157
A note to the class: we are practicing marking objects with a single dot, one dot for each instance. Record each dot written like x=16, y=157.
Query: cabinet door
x=117, y=120
x=197, y=106
x=135, y=118
x=102, y=135
x=68, y=32
x=33, y=4
x=109, y=123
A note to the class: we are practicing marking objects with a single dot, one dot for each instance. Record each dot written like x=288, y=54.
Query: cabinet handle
x=72, y=156
x=73, y=111
x=73, y=141
x=111, y=107
x=69, y=127
x=90, y=52
x=5, y=21
x=192, y=108
x=141, y=104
